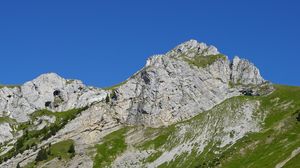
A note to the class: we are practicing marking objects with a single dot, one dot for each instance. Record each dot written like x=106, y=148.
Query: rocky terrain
x=190, y=107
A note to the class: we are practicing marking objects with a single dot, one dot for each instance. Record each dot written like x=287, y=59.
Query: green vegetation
x=64, y=150
x=231, y=84
x=278, y=139
x=7, y=120
x=71, y=149
x=201, y=61
x=30, y=165
x=113, y=144
x=61, y=150
x=31, y=138
x=107, y=99
x=161, y=137
x=42, y=155
x=295, y=161
x=9, y=86
x=70, y=81
x=115, y=86
x=267, y=148
x=62, y=118
x=153, y=157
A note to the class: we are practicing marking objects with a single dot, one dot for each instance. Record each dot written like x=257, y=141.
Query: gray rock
x=43, y=121
x=48, y=91
x=244, y=72
x=169, y=89
x=5, y=132
x=192, y=48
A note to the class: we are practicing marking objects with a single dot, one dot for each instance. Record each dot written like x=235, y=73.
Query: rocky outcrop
x=244, y=72
x=5, y=132
x=192, y=48
x=171, y=89
x=48, y=91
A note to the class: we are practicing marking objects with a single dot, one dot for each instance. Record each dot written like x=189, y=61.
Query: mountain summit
x=186, y=108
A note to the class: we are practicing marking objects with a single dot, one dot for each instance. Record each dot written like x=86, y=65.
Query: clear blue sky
x=105, y=42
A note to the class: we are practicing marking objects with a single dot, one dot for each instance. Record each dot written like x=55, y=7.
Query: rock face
x=48, y=91
x=5, y=132
x=244, y=72
x=171, y=89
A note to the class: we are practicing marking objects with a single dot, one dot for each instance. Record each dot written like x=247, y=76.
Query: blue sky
x=103, y=43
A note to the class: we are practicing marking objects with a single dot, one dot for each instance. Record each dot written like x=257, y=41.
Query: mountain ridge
x=173, y=92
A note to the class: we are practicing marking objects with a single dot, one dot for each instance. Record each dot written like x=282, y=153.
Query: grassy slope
x=9, y=86
x=61, y=149
x=204, y=61
x=294, y=162
x=58, y=150
x=279, y=137
x=113, y=144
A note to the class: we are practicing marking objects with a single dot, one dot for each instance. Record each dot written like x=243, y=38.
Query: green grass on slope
x=61, y=150
x=9, y=86
x=7, y=120
x=115, y=86
x=204, y=61
x=207, y=158
x=113, y=144
x=161, y=139
x=279, y=138
x=294, y=162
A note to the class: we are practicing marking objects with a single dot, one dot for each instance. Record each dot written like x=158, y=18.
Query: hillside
x=273, y=140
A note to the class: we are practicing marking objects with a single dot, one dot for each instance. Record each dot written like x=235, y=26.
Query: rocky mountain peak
x=191, y=78
x=245, y=72
x=192, y=47
x=47, y=91
x=50, y=77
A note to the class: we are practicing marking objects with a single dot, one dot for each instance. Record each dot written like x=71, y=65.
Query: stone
x=5, y=132
x=48, y=91
x=244, y=72
x=168, y=89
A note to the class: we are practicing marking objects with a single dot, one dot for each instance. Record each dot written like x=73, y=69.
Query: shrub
x=298, y=116
x=42, y=155
x=71, y=149
x=107, y=99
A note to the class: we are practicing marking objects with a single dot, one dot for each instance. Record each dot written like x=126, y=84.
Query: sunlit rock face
x=48, y=91
x=171, y=88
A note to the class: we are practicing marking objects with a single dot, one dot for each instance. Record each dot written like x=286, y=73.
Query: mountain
x=190, y=107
